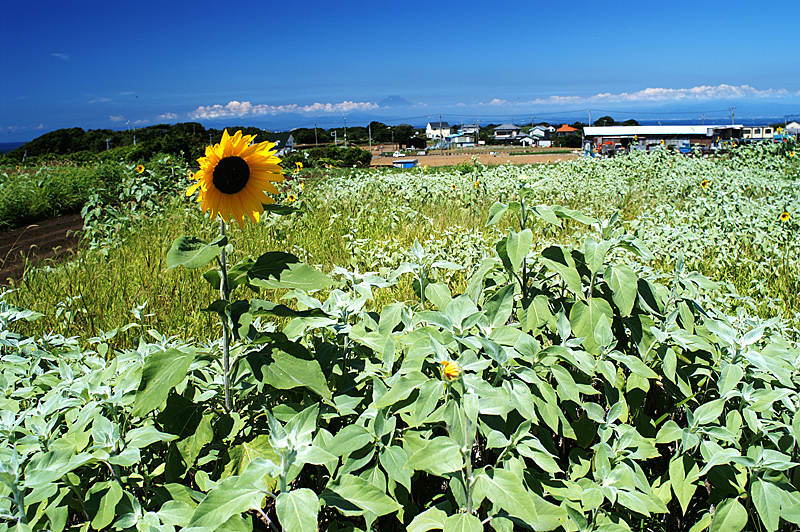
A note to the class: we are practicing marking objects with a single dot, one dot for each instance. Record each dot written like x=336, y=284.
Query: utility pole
x=369, y=130
x=345, y=131
x=704, y=119
x=733, y=119
x=590, y=117
x=316, y=143
x=441, y=137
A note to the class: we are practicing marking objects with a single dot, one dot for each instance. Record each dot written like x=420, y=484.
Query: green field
x=596, y=345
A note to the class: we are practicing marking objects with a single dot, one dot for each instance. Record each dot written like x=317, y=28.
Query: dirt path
x=37, y=242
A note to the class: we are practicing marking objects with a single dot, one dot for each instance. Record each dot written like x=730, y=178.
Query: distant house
x=507, y=132
x=470, y=128
x=757, y=132
x=566, y=130
x=437, y=130
x=284, y=142
x=542, y=132
x=658, y=137
x=460, y=140
x=793, y=128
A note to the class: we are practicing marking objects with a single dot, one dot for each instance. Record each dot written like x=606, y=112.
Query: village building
x=437, y=130
x=648, y=137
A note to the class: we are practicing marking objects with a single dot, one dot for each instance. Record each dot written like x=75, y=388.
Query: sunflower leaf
x=281, y=210
x=191, y=252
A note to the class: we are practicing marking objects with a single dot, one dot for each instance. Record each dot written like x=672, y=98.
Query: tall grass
x=368, y=220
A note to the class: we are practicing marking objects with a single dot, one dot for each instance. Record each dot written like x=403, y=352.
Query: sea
x=6, y=147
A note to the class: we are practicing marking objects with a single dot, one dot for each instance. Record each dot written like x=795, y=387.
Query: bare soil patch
x=485, y=157
x=34, y=243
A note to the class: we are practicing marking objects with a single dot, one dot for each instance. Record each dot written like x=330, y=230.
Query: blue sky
x=288, y=64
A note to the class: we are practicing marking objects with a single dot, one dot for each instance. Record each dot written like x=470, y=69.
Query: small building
x=508, y=132
x=437, y=130
x=566, y=130
x=649, y=137
x=404, y=163
x=792, y=128
x=757, y=132
x=284, y=143
x=460, y=140
x=470, y=128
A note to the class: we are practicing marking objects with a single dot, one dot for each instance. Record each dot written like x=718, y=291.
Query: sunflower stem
x=225, y=294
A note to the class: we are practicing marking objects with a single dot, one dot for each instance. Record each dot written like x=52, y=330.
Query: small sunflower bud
x=450, y=370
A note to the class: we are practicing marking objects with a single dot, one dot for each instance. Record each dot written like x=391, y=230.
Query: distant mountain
x=395, y=101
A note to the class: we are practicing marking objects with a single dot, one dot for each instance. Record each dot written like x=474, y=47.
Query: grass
x=28, y=195
x=368, y=220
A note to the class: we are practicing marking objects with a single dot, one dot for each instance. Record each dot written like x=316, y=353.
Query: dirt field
x=487, y=157
x=34, y=243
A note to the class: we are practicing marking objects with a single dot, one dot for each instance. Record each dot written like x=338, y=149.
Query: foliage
x=591, y=394
x=328, y=156
x=563, y=368
x=28, y=195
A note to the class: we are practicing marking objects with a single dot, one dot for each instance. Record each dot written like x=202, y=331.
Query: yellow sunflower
x=235, y=176
x=785, y=216
x=454, y=186
x=450, y=370
x=17, y=168
x=291, y=198
x=298, y=166
x=477, y=183
x=704, y=184
x=139, y=169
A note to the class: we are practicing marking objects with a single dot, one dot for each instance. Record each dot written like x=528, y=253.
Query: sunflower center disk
x=231, y=175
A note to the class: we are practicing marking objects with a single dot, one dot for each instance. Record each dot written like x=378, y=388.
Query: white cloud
x=167, y=116
x=63, y=57
x=40, y=126
x=703, y=92
x=235, y=108
x=116, y=118
x=140, y=122
x=654, y=94
x=100, y=100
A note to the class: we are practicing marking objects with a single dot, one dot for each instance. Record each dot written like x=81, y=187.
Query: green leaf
x=287, y=372
x=584, y=318
x=438, y=456
x=463, y=523
x=767, y=498
x=191, y=252
x=364, y=495
x=623, y=282
x=394, y=460
x=595, y=253
x=163, y=370
x=518, y=246
x=143, y=436
x=496, y=212
x=730, y=516
x=557, y=259
x=106, y=506
x=297, y=510
x=430, y=519
x=506, y=491
x=49, y=467
x=276, y=269
x=499, y=307
x=683, y=483
x=176, y=513
x=401, y=388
